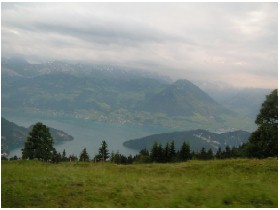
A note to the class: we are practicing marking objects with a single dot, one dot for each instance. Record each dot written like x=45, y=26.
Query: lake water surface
x=87, y=134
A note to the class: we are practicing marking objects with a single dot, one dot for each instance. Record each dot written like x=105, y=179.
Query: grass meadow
x=214, y=183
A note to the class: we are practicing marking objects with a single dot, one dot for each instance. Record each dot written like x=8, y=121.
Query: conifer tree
x=167, y=152
x=64, y=158
x=157, y=153
x=202, y=155
x=210, y=154
x=154, y=151
x=84, y=155
x=185, y=152
x=39, y=143
x=219, y=153
x=160, y=158
x=103, y=154
x=172, y=152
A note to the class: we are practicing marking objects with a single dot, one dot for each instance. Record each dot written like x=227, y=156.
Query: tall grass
x=216, y=183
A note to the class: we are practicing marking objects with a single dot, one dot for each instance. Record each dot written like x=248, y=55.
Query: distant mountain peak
x=183, y=83
x=183, y=98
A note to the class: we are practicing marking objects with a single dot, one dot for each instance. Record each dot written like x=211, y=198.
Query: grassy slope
x=217, y=183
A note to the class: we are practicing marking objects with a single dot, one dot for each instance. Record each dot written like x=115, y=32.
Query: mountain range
x=114, y=94
x=13, y=136
x=195, y=138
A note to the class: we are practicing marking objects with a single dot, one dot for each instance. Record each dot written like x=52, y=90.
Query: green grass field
x=217, y=183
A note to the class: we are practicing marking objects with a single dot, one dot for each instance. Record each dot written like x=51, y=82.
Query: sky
x=233, y=43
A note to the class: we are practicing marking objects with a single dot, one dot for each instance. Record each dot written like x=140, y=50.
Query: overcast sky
x=234, y=43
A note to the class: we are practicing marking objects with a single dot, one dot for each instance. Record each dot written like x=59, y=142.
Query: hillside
x=111, y=94
x=14, y=136
x=183, y=98
x=196, y=139
x=194, y=184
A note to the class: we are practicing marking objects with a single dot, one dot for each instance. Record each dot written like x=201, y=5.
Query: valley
x=139, y=104
x=114, y=103
x=115, y=95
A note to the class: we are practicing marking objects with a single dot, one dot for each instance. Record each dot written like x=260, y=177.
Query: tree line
x=157, y=154
x=262, y=143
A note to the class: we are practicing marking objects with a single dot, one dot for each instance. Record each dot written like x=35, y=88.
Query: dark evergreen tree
x=103, y=154
x=185, y=152
x=56, y=157
x=39, y=143
x=161, y=158
x=219, y=153
x=154, y=152
x=210, y=154
x=157, y=154
x=115, y=158
x=64, y=158
x=172, y=152
x=203, y=154
x=166, y=152
x=227, y=152
x=129, y=159
x=84, y=156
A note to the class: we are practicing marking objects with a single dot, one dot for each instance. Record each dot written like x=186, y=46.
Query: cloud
x=211, y=41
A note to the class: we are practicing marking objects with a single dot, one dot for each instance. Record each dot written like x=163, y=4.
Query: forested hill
x=196, y=139
x=14, y=136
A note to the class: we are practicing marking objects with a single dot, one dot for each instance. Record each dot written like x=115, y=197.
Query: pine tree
x=39, y=143
x=103, y=154
x=56, y=157
x=227, y=152
x=210, y=154
x=185, y=152
x=219, y=153
x=156, y=152
x=161, y=157
x=64, y=158
x=202, y=155
x=84, y=155
x=172, y=151
x=167, y=152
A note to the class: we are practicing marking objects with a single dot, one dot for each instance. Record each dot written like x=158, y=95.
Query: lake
x=87, y=133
